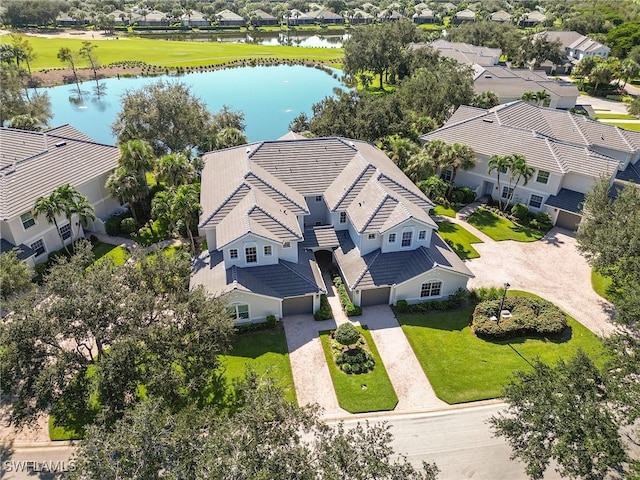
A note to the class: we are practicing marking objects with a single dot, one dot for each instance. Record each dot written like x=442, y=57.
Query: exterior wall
x=410, y=290
x=318, y=211
x=99, y=197
x=334, y=219
x=370, y=245
x=355, y=237
x=409, y=225
x=42, y=230
x=210, y=234
x=624, y=157
x=564, y=103
x=259, y=306
x=578, y=183
x=259, y=243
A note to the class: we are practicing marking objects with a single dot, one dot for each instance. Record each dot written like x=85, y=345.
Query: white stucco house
x=33, y=164
x=276, y=216
x=568, y=152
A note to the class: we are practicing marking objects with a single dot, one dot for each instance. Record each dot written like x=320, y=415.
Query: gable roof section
x=33, y=164
x=512, y=83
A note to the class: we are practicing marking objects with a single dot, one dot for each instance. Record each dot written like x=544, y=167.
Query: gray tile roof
x=575, y=41
x=284, y=279
x=630, y=174
x=566, y=199
x=463, y=52
x=33, y=164
x=320, y=237
x=378, y=269
x=24, y=252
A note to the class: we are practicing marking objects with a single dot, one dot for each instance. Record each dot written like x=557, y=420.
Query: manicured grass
x=444, y=211
x=459, y=239
x=172, y=53
x=379, y=393
x=500, y=228
x=601, y=284
x=264, y=351
x=118, y=254
x=627, y=126
x=464, y=368
x=615, y=116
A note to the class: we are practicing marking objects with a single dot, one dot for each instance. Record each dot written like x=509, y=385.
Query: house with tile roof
x=532, y=19
x=462, y=16
x=568, y=152
x=278, y=214
x=229, y=19
x=577, y=46
x=510, y=84
x=500, y=16
x=33, y=164
x=464, y=53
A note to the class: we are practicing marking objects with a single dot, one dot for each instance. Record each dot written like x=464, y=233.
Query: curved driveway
x=551, y=268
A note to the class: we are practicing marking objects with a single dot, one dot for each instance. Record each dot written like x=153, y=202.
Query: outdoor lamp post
x=504, y=295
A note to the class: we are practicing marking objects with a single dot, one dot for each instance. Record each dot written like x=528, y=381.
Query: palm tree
x=543, y=98
x=628, y=68
x=230, y=137
x=400, y=150
x=50, y=207
x=460, y=156
x=67, y=195
x=529, y=97
x=175, y=169
x=161, y=208
x=520, y=170
x=126, y=186
x=500, y=164
x=85, y=211
x=186, y=206
x=137, y=156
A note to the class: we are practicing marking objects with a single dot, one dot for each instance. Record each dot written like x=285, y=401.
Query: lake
x=293, y=39
x=269, y=97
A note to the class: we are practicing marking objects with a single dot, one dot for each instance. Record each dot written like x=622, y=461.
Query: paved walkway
x=551, y=268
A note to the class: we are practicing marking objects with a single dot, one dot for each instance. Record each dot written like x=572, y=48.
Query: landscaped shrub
x=112, y=225
x=402, y=306
x=467, y=194
x=346, y=334
x=520, y=211
x=128, y=225
x=529, y=316
x=324, y=312
x=350, y=309
x=453, y=301
x=486, y=293
x=271, y=321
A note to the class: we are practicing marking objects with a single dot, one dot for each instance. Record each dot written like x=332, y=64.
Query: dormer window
x=286, y=244
x=343, y=217
x=422, y=235
x=392, y=238
x=318, y=198
x=233, y=253
x=267, y=251
x=406, y=238
x=251, y=254
x=372, y=236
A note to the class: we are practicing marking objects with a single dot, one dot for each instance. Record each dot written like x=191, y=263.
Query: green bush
x=324, y=312
x=128, y=225
x=529, y=316
x=350, y=309
x=544, y=220
x=467, y=195
x=486, y=293
x=346, y=334
x=402, y=306
x=520, y=211
x=271, y=321
x=112, y=225
x=453, y=301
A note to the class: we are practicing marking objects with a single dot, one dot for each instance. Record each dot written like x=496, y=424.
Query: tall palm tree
x=67, y=195
x=85, y=211
x=50, y=207
x=161, y=208
x=460, y=156
x=501, y=164
x=126, y=186
x=175, y=169
x=520, y=170
x=137, y=156
x=543, y=98
x=186, y=206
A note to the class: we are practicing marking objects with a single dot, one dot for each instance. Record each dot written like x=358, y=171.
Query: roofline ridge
x=251, y=172
x=258, y=207
x=552, y=146
x=377, y=209
x=360, y=175
x=580, y=132
x=377, y=253
x=427, y=199
x=304, y=277
x=225, y=201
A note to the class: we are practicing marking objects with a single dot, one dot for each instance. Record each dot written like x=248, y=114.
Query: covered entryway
x=297, y=305
x=375, y=296
x=568, y=220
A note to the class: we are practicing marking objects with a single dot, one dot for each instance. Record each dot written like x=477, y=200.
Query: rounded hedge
x=347, y=334
x=529, y=316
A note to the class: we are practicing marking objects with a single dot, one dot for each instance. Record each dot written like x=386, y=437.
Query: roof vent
x=488, y=76
x=61, y=144
x=487, y=120
x=247, y=150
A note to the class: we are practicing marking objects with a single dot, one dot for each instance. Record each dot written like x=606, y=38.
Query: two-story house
x=277, y=214
x=33, y=164
x=568, y=152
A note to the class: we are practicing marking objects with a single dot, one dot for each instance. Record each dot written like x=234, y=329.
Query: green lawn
x=627, y=126
x=173, y=53
x=614, y=116
x=459, y=239
x=500, y=228
x=601, y=284
x=444, y=211
x=118, y=254
x=266, y=352
x=379, y=393
x=464, y=368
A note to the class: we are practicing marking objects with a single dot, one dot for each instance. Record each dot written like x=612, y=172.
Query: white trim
x=431, y=280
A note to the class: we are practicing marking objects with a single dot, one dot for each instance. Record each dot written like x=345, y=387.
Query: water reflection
x=291, y=39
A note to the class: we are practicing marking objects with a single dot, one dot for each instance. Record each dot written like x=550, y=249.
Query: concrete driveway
x=551, y=268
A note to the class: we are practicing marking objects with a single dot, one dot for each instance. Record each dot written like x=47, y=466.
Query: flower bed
x=529, y=316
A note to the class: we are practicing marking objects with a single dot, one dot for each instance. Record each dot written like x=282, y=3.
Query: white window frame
x=508, y=190
x=343, y=217
x=318, y=198
x=268, y=251
x=234, y=311
x=407, y=238
x=286, y=244
x=422, y=235
x=63, y=231
x=247, y=247
x=44, y=247
x=447, y=175
x=371, y=236
x=546, y=180
x=531, y=200
x=26, y=218
x=392, y=238
x=233, y=253
x=427, y=289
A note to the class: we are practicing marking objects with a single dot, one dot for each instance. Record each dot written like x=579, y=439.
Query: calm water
x=294, y=39
x=269, y=97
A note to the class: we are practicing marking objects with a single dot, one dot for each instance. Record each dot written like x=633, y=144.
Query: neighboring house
x=464, y=16
x=424, y=16
x=532, y=19
x=390, y=16
x=326, y=17
x=265, y=19
x=576, y=46
x=120, y=18
x=32, y=165
x=360, y=17
x=511, y=84
x=296, y=17
x=568, y=152
x=500, y=16
x=464, y=53
x=277, y=214
x=194, y=18
x=227, y=18
x=448, y=8
x=153, y=19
